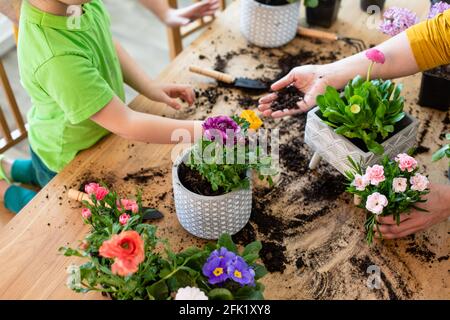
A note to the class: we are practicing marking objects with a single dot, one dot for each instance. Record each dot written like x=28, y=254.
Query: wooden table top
x=312, y=235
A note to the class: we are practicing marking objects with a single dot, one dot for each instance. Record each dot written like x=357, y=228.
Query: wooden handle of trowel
x=317, y=34
x=78, y=196
x=220, y=76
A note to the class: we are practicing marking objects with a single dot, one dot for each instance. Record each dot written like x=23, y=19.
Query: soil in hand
x=288, y=98
x=194, y=182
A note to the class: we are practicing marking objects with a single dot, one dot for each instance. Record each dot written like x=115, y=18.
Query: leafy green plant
x=443, y=152
x=127, y=260
x=224, y=155
x=367, y=110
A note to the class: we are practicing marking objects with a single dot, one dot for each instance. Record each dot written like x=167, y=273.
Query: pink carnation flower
x=419, y=182
x=91, y=188
x=86, y=213
x=94, y=188
x=123, y=219
x=130, y=205
x=376, y=203
x=360, y=182
x=375, y=174
x=399, y=185
x=406, y=162
x=375, y=55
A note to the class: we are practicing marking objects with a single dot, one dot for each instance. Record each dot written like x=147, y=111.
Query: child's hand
x=308, y=79
x=168, y=93
x=183, y=16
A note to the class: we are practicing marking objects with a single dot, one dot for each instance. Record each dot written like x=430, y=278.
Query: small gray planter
x=335, y=148
x=269, y=26
x=210, y=217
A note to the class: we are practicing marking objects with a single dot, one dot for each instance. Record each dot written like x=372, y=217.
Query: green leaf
x=68, y=252
x=227, y=242
x=158, y=290
x=252, y=248
x=438, y=155
x=220, y=294
x=248, y=293
x=260, y=271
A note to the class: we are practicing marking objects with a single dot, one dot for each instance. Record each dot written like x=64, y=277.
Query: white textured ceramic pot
x=210, y=217
x=269, y=26
x=335, y=148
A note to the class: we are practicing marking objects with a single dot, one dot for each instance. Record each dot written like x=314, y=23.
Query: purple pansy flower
x=438, y=8
x=216, y=266
x=240, y=272
x=397, y=20
x=222, y=127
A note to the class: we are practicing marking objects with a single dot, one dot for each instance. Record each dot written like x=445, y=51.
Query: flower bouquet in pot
x=387, y=189
x=271, y=23
x=364, y=122
x=434, y=86
x=212, y=180
x=126, y=260
x=443, y=152
x=324, y=14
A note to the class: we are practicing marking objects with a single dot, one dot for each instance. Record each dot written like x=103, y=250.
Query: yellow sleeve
x=430, y=41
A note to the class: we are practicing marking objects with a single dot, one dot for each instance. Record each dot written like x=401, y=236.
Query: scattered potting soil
x=194, y=182
x=246, y=235
x=145, y=175
x=328, y=186
x=287, y=99
x=207, y=96
x=106, y=178
x=246, y=102
x=421, y=252
x=421, y=149
x=272, y=254
x=292, y=158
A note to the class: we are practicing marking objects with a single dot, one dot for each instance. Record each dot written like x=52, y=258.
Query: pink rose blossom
x=419, y=182
x=123, y=219
x=86, y=213
x=101, y=193
x=375, y=174
x=376, y=202
x=399, y=184
x=91, y=188
x=361, y=182
x=130, y=205
x=406, y=162
x=376, y=56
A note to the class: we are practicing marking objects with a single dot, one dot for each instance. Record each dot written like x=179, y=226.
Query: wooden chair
x=177, y=34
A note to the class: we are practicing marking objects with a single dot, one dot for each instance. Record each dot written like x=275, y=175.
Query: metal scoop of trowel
x=147, y=213
x=242, y=83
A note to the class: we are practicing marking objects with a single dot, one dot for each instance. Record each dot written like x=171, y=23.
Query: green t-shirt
x=71, y=71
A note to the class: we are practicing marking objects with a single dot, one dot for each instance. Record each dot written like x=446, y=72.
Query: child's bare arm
x=129, y=124
x=136, y=78
x=10, y=8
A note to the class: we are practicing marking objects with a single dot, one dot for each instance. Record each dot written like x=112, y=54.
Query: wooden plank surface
x=314, y=246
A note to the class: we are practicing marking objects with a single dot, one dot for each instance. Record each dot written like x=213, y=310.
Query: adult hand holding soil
x=438, y=207
x=311, y=80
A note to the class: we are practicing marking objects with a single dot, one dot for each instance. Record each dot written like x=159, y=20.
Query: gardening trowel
x=148, y=213
x=243, y=83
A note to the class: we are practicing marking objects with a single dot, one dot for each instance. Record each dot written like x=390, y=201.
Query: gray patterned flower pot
x=210, y=217
x=269, y=26
x=335, y=148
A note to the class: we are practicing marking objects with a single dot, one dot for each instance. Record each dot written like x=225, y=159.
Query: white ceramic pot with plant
x=213, y=194
x=365, y=122
x=270, y=23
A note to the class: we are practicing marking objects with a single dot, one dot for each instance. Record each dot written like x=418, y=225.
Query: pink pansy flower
x=360, y=182
x=86, y=213
x=399, y=184
x=376, y=56
x=419, y=182
x=130, y=205
x=406, y=162
x=123, y=219
x=91, y=188
x=375, y=174
x=376, y=202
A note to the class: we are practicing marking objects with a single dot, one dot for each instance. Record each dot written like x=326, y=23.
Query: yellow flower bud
x=355, y=108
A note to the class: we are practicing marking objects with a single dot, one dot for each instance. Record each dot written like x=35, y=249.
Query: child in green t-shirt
x=74, y=73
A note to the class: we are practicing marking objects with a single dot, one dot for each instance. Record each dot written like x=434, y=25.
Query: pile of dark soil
x=193, y=181
x=145, y=175
x=272, y=254
x=327, y=187
x=287, y=99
